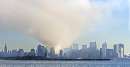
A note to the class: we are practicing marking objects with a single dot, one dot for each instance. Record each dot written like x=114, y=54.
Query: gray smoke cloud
x=54, y=22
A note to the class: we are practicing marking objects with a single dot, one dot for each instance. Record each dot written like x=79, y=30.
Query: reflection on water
x=5, y=63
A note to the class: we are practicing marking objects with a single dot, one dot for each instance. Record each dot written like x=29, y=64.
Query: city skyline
x=77, y=46
x=64, y=33
x=111, y=24
x=73, y=52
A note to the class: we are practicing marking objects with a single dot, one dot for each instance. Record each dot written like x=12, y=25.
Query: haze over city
x=23, y=24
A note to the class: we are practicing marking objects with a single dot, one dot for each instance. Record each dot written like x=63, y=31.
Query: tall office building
x=32, y=52
x=75, y=46
x=52, y=52
x=115, y=50
x=5, y=48
x=93, y=45
x=119, y=50
x=104, y=50
x=14, y=53
x=84, y=47
x=61, y=53
x=5, y=52
x=110, y=53
x=93, y=52
x=20, y=53
x=41, y=51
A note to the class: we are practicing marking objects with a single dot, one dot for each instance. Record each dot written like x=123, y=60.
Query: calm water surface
x=32, y=63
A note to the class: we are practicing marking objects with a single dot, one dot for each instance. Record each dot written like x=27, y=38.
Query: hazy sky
x=115, y=25
x=80, y=20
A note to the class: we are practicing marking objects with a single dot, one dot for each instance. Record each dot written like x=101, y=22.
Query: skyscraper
x=84, y=52
x=75, y=46
x=52, y=52
x=115, y=50
x=14, y=53
x=104, y=50
x=93, y=52
x=93, y=45
x=5, y=52
x=61, y=53
x=20, y=53
x=32, y=52
x=119, y=50
x=41, y=51
x=109, y=53
x=5, y=48
x=84, y=47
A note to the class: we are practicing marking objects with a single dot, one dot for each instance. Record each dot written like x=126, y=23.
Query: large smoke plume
x=54, y=22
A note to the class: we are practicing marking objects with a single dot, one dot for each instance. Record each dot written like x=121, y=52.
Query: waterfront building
x=109, y=53
x=66, y=52
x=75, y=46
x=104, y=50
x=5, y=52
x=41, y=51
x=20, y=53
x=14, y=53
x=32, y=52
x=84, y=46
x=5, y=48
x=119, y=50
x=93, y=52
x=52, y=53
x=61, y=53
x=93, y=45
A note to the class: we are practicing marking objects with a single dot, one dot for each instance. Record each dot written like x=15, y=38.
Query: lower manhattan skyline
x=109, y=22
x=76, y=51
x=28, y=43
x=64, y=33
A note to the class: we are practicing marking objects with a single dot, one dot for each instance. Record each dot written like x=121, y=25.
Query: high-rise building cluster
x=40, y=51
x=90, y=51
x=87, y=51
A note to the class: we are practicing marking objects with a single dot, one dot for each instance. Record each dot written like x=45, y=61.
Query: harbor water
x=35, y=63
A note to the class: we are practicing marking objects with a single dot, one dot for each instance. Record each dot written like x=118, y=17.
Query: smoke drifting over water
x=54, y=22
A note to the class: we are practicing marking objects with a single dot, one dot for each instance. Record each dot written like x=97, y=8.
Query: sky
x=111, y=24
x=114, y=27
